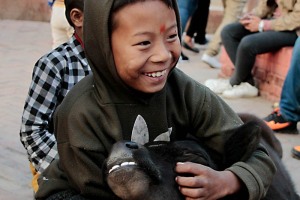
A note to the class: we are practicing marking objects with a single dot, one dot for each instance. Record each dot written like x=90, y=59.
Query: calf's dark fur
x=148, y=171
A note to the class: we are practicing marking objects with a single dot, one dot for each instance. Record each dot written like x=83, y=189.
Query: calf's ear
x=241, y=143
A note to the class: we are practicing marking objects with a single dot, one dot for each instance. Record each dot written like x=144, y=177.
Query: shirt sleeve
x=36, y=127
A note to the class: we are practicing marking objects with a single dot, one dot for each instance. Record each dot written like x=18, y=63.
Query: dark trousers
x=242, y=47
x=198, y=21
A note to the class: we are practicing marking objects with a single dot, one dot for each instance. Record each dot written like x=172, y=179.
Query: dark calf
x=139, y=172
x=147, y=172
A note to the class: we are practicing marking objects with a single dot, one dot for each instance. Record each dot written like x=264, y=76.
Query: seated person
x=53, y=76
x=269, y=27
x=133, y=48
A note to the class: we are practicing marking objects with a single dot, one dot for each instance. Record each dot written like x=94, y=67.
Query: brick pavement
x=21, y=44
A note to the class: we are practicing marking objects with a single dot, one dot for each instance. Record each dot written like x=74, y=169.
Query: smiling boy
x=144, y=55
x=133, y=47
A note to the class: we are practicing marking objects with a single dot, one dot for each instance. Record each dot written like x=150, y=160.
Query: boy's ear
x=76, y=16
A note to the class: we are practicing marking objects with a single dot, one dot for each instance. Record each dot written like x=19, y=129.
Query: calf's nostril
x=132, y=145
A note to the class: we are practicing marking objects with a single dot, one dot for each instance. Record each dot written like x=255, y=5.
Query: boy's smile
x=145, y=44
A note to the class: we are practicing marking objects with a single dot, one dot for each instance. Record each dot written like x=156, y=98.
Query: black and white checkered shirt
x=53, y=77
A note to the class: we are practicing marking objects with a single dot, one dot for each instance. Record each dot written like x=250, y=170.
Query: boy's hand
x=206, y=183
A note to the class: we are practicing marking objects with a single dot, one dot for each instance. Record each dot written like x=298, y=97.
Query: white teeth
x=122, y=165
x=156, y=74
x=113, y=168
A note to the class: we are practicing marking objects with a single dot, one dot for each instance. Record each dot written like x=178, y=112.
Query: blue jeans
x=290, y=95
x=186, y=10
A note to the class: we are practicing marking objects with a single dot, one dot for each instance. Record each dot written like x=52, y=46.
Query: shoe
x=188, y=47
x=277, y=123
x=212, y=61
x=184, y=57
x=218, y=86
x=242, y=90
x=296, y=152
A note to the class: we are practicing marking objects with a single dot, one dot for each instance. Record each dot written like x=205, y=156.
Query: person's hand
x=204, y=182
x=250, y=22
x=244, y=19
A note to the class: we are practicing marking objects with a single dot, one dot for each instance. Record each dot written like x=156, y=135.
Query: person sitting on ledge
x=267, y=28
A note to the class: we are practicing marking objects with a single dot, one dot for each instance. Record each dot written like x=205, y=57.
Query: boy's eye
x=172, y=37
x=144, y=43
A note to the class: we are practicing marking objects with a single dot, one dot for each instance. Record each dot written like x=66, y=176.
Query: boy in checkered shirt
x=53, y=76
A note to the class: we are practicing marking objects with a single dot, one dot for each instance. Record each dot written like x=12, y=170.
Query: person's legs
x=252, y=45
x=286, y=117
x=197, y=25
x=231, y=35
x=232, y=9
x=290, y=95
x=242, y=47
x=186, y=10
x=199, y=21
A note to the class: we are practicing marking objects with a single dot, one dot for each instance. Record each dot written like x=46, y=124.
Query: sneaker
x=274, y=113
x=277, y=123
x=218, y=85
x=296, y=152
x=212, y=61
x=242, y=90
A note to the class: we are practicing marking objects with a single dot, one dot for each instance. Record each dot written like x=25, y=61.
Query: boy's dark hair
x=70, y=4
x=121, y=3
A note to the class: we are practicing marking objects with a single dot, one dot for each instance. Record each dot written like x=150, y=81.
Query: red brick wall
x=32, y=10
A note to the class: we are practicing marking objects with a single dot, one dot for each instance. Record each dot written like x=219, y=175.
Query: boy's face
x=145, y=44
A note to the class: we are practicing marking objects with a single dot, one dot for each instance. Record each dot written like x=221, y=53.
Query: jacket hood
x=98, y=49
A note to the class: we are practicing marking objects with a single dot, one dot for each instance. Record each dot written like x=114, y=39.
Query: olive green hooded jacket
x=101, y=110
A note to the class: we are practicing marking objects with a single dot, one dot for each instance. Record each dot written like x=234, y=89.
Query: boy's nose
x=161, y=54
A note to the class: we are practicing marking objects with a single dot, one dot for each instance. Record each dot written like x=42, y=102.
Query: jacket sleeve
x=257, y=172
x=83, y=142
x=290, y=20
x=262, y=10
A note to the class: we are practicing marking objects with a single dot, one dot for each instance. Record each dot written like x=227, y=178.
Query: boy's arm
x=252, y=177
x=212, y=118
x=256, y=173
x=37, y=129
